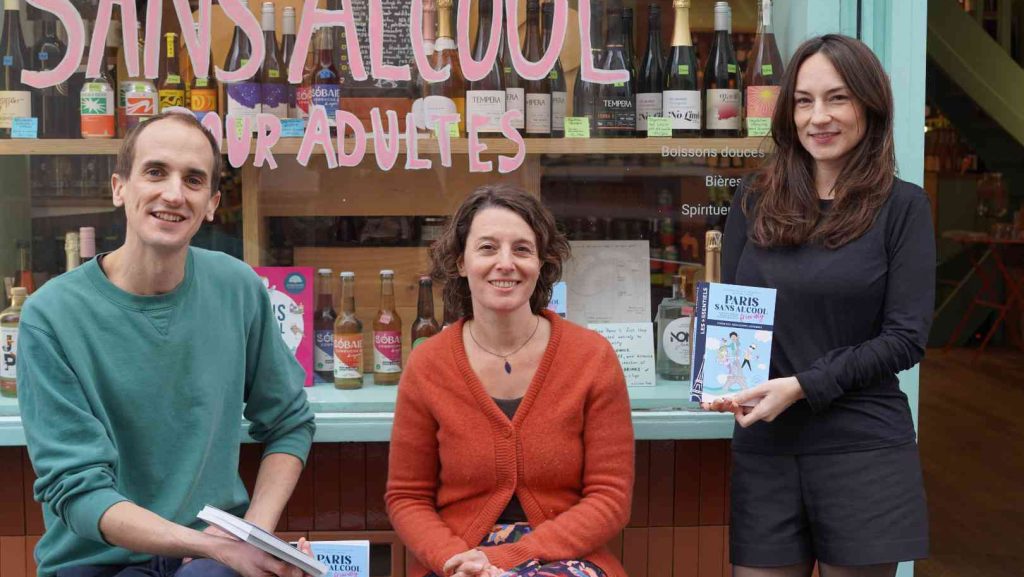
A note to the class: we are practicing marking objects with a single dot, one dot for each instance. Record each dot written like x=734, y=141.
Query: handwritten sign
x=24, y=127
x=577, y=127
x=659, y=126
x=634, y=345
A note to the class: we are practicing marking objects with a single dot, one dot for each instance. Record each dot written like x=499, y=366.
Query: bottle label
x=677, y=340
x=275, y=100
x=538, y=114
x=14, y=104
x=302, y=97
x=559, y=104
x=140, y=102
x=327, y=96
x=683, y=107
x=489, y=103
x=616, y=114
x=434, y=106
x=169, y=98
x=323, y=351
x=387, y=352
x=647, y=104
x=8, y=352
x=202, y=101
x=348, y=356
x=97, y=110
x=515, y=99
x=244, y=99
x=723, y=109
x=761, y=102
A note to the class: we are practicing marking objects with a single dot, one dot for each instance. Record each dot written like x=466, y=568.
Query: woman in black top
x=825, y=464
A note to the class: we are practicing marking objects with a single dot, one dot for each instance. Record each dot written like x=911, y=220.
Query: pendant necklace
x=508, y=365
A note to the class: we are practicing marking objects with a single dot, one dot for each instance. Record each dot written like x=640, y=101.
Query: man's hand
x=249, y=561
x=211, y=530
x=472, y=563
x=775, y=396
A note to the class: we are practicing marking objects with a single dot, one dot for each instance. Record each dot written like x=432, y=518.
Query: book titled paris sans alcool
x=732, y=339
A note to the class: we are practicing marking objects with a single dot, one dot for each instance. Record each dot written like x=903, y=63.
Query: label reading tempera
x=559, y=104
x=387, y=352
x=723, y=109
x=8, y=352
x=538, y=113
x=323, y=351
x=683, y=107
x=348, y=356
x=489, y=103
x=515, y=99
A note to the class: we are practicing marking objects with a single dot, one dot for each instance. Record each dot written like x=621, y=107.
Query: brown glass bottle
x=323, y=329
x=9, y=320
x=387, y=334
x=348, y=338
x=171, y=89
x=425, y=325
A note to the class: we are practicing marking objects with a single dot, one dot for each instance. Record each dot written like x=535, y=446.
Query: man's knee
x=205, y=568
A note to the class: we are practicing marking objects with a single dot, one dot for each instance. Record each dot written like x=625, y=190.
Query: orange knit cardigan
x=456, y=460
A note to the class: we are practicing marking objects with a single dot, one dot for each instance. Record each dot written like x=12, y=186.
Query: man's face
x=167, y=195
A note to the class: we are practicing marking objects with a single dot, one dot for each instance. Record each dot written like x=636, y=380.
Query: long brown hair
x=447, y=251
x=787, y=209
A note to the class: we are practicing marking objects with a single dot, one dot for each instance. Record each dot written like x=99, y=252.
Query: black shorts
x=861, y=508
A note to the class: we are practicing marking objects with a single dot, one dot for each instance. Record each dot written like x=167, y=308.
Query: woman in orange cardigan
x=512, y=447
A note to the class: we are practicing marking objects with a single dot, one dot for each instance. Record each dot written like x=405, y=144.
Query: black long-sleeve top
x=846, y=321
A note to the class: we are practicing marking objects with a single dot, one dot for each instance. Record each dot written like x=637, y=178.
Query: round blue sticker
x=8, y=60
x=294, y=283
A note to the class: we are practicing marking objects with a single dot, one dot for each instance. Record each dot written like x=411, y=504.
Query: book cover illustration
x=291, y=297
x=343, y=558
x=732, y=340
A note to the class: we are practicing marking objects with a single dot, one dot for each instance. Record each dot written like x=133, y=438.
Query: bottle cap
x=71, y=241
x=324, y=271
x=387, y=272
x=19, y=292
x=347, y=274
x=87, y=242
x=426, y=277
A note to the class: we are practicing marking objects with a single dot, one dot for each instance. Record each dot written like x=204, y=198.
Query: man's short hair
x=126, y=156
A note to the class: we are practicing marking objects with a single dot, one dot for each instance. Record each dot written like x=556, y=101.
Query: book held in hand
x=257, y=537
x=732, y=339
x=343, y=558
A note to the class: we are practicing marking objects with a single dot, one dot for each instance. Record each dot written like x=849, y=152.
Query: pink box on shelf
x=291, y=297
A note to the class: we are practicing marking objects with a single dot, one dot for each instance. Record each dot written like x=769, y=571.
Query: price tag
x=274, y=73
x=659, y=126
x=293, y=127
x=577, y=127
x=453, y=130
x=731, y=68
x=173, y=79
x=766, y=69
x=25, y=127
x=684, y=69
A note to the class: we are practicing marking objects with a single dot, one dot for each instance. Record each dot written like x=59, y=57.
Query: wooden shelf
x=43, y=207
x=429, y=146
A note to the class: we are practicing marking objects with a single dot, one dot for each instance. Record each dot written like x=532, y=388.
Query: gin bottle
x=675, y=315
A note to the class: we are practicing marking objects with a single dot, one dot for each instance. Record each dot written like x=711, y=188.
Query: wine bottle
x=202, y=95
x=682, y=89
x=627, y=41
x=429, y=29
x=448, y=96
x=763, y=76
x=723, y=100
x=304, y=92
x=538, y=92
x=273, y=84
x=616, y=107
x=651, y=80
x=244, y=97
x=486, y=97
x=584, y=95
x=287, y=48
x=51, y=104
x=15, y=97
x=515, y=86
x=170, y=89
x=96, y=106
x=559, y=97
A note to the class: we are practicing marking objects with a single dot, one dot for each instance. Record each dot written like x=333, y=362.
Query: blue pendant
x=508, y=367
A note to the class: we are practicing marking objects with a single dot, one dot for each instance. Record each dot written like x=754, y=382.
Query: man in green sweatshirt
x=136, y=370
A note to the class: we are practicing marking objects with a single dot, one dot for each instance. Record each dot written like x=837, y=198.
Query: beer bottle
x=387, y=334
x=9, y=320
x=348, y=338
x=171, y=89
x=202, y=94
x=323, y=329
x=426, y=325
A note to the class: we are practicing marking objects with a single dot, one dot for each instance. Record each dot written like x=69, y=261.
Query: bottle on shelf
x=323, y=329
x=287, y=48
x=486, y=97
x=682, y=88
x=171, y=89
x=429, y=29
x=244, y=97
x=763, y=75
x=15, y=97
x=559, y=94
x=675, y=319
x=627, y=42
x=86, y=243
x=137, y=97
x=96, y=106
x=425, y=325
x=52, y=105
x=651, y=80
x=10, y=318
x=616, y=103
x=24, y=278
x=72, y=251
x=202, y=94
x=713, y=256
x=273, y=76
x=584, y=95
x=348, y=338
x=538, y=92
x=387, y=334
x=304, y=91
x=448, y=96
x=326, y=87
x=723, y=84
x=515, y=85
x=75, y=85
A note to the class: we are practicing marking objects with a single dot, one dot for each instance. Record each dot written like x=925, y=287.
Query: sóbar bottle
x=538, y=92
x=202, y=94
x=10, y=318
x=348, y=338
x=559, y=94
x=447, y=96
x=326, y=91
x=674, y=319
x=387, y=334
x=15, y=97
x=287, y=49
x=651, y=80
x=52, y=104
x=244, y=97
x=273, y=81
x=304, y=92
x=171, y=89
x=616, y=102
x=681, y=98
x=763, y=76
x=323, y=329
x=723, y=100
x=486, y=97
x=425, y=325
